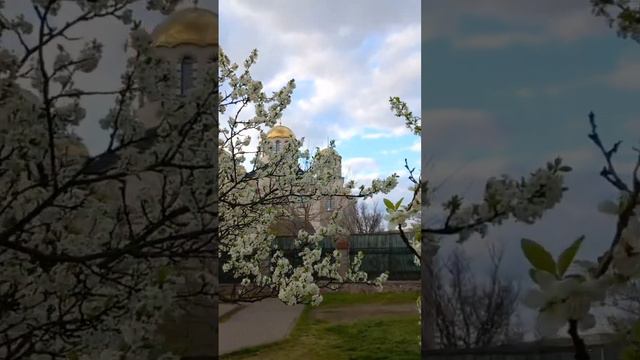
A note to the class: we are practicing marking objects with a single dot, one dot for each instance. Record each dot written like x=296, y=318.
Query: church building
x=189, y=39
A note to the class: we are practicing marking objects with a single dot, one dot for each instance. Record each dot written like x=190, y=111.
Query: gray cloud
x=470, y=130
x=539, y=22
x=625, y=76
x=343, y=22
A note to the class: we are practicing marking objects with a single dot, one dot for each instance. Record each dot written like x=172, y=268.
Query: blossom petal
x=545, y=280
x=564, y=287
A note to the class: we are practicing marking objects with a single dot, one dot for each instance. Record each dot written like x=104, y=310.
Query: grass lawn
x=379, y=336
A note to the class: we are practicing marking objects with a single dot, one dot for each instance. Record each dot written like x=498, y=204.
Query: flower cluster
x=561, y=300
x=525, y=200
x=559, y=297
x=253, y=199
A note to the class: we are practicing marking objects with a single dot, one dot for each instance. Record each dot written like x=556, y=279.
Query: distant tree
x=360, y=218
x=471, y=312
x=626, y=320
x=627, y=300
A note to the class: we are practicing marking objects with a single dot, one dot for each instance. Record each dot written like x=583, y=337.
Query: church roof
x=280, y=132
x=191, y=26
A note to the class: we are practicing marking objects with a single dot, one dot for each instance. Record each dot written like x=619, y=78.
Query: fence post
x=342, y=245
x=389, y=256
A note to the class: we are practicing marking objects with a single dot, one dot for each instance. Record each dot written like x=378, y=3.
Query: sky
x=347, y=59
x=507, y=86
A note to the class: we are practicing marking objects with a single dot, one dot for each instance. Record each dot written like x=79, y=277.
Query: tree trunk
x=581, y=352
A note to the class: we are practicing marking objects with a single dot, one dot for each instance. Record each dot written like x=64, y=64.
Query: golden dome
x=279, y=131
x=191, y=26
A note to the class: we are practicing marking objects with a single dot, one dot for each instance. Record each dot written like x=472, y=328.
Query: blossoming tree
x=251, y=200
x=505, y=198
x=96, y=252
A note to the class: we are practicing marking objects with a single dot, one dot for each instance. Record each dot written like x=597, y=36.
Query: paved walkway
x=256, y=324
x=226, y=308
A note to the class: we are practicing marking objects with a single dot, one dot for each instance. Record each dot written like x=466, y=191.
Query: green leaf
x=566, y=258
x=397, y=206
x=538, y=256
x=389, y=205
x=565, y=168
x=532, y=275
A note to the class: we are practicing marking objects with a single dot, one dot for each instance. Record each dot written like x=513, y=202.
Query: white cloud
x=360, y=169
x=417, y=146
x=376, y=135
x=354, y=60
x=364, y=178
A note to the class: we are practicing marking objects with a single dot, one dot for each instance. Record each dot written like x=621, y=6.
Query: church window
x=329, y=203
x=186, y=74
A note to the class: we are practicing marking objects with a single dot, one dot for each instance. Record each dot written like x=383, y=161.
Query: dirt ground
x=347, y=314
x=389, y=286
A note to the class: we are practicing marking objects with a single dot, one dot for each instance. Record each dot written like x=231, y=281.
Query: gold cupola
x=280, y=132
x=191, y=26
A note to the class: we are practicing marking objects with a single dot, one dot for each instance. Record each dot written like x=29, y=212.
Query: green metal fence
x=382, y=252
x=385, y=252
